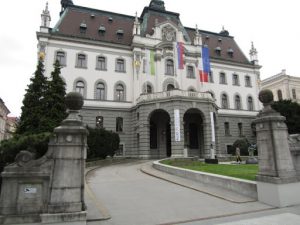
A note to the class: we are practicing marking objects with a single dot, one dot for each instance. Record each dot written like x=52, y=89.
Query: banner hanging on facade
x=177, y=124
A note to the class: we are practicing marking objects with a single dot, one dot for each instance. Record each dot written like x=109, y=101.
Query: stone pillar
x=277, y=183
x=66, y=198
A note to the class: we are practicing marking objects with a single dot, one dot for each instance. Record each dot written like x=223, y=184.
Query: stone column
x=277, y=183
x=66, y=198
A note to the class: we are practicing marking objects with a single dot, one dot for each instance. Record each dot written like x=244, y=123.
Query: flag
x=180, y=52
x=150, y=65
x=204, y=69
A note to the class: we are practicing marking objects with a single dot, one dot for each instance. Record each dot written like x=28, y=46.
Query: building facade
x=4, y=111
x=283, y=86
x=127, y=69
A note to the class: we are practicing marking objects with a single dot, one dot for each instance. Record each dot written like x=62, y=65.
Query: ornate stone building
x=4, y=111
x=283, y=86
x=127, y=69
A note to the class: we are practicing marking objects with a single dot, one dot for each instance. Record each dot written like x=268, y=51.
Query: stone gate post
x=277, y=182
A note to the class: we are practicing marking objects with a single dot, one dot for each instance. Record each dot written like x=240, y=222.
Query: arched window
x=170, y=87
x=224, y=101
x=169, y=67
x=101, y=63
x=61, y=57
x=279, y=94
x=120, y=92
x=250, y=103
x=148, y=89
x=80, y=87
x=237, y=102
x=190, y=72
x=100, y=91
x=81, y=61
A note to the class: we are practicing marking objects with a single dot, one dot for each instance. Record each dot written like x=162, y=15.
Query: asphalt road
x=131, y=197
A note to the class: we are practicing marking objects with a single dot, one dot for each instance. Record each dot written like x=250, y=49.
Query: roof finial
x=253, y=54
x=197, y=31
x=136, y=17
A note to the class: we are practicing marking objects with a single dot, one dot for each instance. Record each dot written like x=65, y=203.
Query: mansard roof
x=111, y=23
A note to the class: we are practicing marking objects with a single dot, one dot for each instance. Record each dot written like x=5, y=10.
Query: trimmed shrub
x=101, y=143
x=243, y=143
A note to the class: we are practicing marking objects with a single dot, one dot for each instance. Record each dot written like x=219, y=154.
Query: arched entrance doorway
x=193, y=132
x=160, y=134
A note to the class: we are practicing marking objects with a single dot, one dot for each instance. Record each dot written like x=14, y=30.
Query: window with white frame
x=100, y=91
x=222, y=78
x=120, y=65
x=247, y=81
x=61, y=57
x=120, y=93
x=81, y=61
x=101, y=63
x=169, y=67
x=235, y=79
x=190, y=72
x=80, y=87
x=250, y=103
x=224, y=101
x=237, y=102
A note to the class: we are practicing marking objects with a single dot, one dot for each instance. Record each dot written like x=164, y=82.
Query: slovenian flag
x=205, y=70
x=180, y=52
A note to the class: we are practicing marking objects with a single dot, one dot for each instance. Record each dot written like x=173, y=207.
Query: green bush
x=243, y=143
x=101, y=143
x=35, y=143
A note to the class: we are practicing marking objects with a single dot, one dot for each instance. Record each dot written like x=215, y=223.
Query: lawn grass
x=242, y=171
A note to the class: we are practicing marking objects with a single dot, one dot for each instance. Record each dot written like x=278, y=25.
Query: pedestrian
x=238, y=154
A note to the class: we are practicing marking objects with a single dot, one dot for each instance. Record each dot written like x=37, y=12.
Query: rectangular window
x=222, y=78
x=294, y=94
x=101, y=63
x=120, y=65
x=144, y=65
x=99, y=121
x=190, y=72
x=227, y=129
x=235, y=79
x=119, y=124
x=81, y=61
x=211, y=77
x=247, y=81
x=240, y=128
x=61, y=57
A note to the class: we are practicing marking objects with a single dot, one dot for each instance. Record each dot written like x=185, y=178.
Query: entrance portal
x=193, y=132
x=160, y=134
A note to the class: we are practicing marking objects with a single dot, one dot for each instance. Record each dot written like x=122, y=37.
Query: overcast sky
x=273, y=26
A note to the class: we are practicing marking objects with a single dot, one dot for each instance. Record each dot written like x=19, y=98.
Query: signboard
x=177, y=124
x=30, y=190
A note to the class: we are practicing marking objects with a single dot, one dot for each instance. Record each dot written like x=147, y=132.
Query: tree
x=54, y=103
x=33, y=108
x=291, y=111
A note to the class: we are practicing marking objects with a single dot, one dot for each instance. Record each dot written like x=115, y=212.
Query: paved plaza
x=123, y=195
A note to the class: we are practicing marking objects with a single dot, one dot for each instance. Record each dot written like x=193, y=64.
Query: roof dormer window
x=120, y=33
x=92, y=16
x=83, y=27
x=102, y=30
x=220, y=40
x=110, y=19
x=218, y=51
x=230, y=52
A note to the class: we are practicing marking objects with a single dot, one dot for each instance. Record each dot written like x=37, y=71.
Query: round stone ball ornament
x=74, y=101
x=266, y=97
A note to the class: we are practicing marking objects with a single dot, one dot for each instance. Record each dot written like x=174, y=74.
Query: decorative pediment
x=168, y=33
